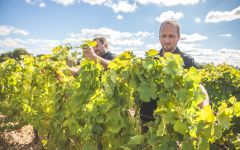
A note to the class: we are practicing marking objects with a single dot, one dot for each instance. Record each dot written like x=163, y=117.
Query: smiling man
x=169, y=35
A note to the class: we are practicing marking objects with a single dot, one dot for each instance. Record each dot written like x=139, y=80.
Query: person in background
x=99, y=53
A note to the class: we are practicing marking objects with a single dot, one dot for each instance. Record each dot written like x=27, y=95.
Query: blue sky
x=209, y=28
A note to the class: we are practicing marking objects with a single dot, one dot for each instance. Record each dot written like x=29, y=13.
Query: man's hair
x=172, y=22
x=101, y=40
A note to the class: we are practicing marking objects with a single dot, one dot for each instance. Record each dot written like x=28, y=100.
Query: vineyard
x=99, y=109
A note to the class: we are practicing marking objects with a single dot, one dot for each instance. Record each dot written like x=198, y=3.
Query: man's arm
x=89, y=53
x=206, y=101
x=74, y=71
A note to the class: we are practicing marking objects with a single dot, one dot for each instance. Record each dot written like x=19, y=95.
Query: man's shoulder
x=188, y=60
x=109, y=56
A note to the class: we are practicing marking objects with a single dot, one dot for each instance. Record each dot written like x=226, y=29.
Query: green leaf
x=224, y=120
x=206, y=114
x=161, y=131
x=151, y=52
x=180, y=127
x=89, y=147
x=147, y=91
x=187, y=145
x=217, y=131
x=137, y=139
x=237, y=109
x=202, y=144
x=148, y=64
x=168, y=81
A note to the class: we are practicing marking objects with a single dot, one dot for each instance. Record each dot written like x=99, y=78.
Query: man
x=98, y=53
x=169, y=35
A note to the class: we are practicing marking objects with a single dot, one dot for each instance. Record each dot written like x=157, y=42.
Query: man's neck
x=170, y=51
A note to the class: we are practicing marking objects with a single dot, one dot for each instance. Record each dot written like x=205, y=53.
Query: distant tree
x=17, y=52
x=5, y=56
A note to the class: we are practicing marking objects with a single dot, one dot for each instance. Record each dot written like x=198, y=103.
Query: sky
x=210, y=29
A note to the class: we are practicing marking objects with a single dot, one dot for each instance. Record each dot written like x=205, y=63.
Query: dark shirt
x=107, y=56
x=147, y=108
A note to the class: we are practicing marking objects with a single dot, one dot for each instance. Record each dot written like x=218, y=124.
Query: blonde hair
x=172, y=22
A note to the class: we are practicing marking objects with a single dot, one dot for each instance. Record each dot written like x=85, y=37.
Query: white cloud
x=218, y=16
x=64, y=2
x=118, y=40
x=169, y=15
x=28, y=1
x=11, y=43
x=230, y=51
x=226, y=35
x=195, y=37
x=20, y=31
x=206, y=55
x=6, y=30
x=39, y=3
x=197, y=20
x=115, y=37
x=124, y=7
x=95, y=2
x=143, y=34
x=42, y=5
x=168, y=2
x=156, y=46
x=119, y=17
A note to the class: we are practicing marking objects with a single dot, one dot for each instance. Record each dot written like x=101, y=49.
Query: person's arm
x=206, y=101
x=89, y=53
x=102, y=61
x=74, y=71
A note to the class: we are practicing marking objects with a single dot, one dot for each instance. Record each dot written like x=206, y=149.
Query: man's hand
x=74, y=71
x=89, y=53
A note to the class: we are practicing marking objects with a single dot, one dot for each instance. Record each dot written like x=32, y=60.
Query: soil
x=19, y=139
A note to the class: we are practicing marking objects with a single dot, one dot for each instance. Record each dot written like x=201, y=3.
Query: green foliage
x=92, y=110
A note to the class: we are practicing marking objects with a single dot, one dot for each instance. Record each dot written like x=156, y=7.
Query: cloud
x=206, y=55
x=197, y=20
x=42, y=5
x=119, y=17
x=226, y=35
x=39, y=3
x=115, y=37
x=64, y=2
x=195, y=37
x=219, y=16
x=124, y=7
x=143, y=34
x=11, y=43
x=168, y=2
x=95, y=2
x=29, y=1
x=118, y=40
x=169, y=15
x=6, y=30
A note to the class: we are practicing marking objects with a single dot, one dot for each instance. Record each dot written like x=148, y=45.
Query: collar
x=176, y=51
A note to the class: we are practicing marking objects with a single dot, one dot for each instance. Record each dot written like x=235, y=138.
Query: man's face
x=99, y=49
x=168, y=37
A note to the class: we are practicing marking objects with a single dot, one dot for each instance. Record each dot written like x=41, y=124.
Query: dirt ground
x=21, y=139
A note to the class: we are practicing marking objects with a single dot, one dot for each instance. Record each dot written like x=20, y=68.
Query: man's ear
x=178, y=38
x=105, y=45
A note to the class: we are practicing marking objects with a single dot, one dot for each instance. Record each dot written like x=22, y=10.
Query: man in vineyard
x=100, y=52
x=169, y=35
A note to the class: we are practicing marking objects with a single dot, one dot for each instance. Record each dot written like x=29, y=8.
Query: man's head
x=101, y=47
x=169, y=34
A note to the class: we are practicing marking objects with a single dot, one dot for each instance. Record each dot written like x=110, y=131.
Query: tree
x=17, y=52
